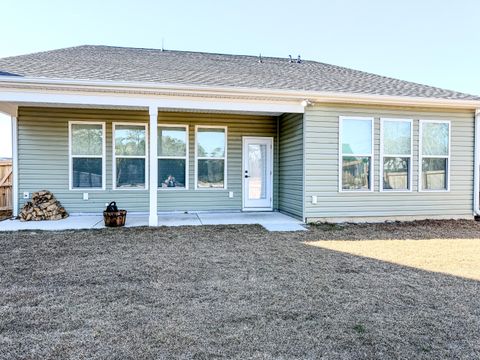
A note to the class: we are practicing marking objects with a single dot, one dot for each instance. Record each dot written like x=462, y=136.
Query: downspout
x=277, y=165
x=305, y=104
x=476, y=170
x=304, y=169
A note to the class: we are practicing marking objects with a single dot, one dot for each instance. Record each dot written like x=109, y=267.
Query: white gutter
x=133, y=100
x=151, y=88
x=476, y=170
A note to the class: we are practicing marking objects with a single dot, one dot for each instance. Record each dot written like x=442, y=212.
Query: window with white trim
x=434, y=155
x=87, y=155
x=356, y=154
x=396, y=154
x=211, y=157
x=129, y=156
x=172, y=156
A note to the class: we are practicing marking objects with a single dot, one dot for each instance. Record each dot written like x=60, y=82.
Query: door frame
x=270, y=165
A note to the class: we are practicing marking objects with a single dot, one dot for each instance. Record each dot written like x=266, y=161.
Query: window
x=356, y=154
x=87, y=155
x=129, y=156
x=396, y=154
x=210, y=153
x=434, y=155
x=172, y=156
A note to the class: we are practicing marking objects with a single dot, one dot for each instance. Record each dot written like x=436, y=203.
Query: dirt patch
x=230, y=292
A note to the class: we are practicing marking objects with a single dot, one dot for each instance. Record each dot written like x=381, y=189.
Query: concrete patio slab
x=244, y=218
x=272, y=221
x=178, y=219
x=70, y=223
x=284, y=227
x=174, y=219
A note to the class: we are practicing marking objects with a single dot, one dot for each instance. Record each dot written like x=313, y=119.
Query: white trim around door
x=257, y=173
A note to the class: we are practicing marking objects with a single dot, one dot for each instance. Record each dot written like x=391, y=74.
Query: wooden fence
x=6, y=185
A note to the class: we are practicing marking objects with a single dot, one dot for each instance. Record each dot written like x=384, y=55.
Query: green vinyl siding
x=290, y=181
x=206, y=199
x=322, y=168
x=44, y=162
x=311, y=143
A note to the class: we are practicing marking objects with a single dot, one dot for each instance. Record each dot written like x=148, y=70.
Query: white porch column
x=15, y=165
x=153, y=164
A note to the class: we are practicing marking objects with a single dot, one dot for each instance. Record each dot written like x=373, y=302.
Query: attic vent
x=291, y=60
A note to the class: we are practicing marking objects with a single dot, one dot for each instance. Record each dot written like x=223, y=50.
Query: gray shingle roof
x=90, y=62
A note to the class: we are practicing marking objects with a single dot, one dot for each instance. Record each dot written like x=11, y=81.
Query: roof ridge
x=198, y=52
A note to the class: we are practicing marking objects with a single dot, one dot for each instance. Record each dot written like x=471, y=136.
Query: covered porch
x=42, y=129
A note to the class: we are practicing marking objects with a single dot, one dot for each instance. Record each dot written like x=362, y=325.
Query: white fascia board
x=187, y=103
x=236, y=92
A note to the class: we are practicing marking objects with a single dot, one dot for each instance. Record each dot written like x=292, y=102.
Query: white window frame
x=420, y=154
x=71, y=156
x=224, y=158
x=114, y=157
x=371, y=184
x=187, y=149
x=383, y=155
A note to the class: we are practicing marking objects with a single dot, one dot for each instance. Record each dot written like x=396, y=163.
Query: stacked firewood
x=43, y=206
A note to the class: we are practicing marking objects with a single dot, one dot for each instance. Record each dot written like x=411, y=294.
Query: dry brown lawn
x=239, y=292
x=459, y=257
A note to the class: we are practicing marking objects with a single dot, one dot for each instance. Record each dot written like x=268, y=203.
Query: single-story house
x=167, y=131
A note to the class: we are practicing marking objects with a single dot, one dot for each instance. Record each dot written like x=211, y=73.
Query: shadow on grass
x=415, y=230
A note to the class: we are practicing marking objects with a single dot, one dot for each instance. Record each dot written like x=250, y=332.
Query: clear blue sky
x=435, y=42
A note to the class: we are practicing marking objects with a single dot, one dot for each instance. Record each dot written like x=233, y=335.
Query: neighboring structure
x=5, y=187
x=162, y=131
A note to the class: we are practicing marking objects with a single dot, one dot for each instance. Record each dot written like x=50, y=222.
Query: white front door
x=257, y=173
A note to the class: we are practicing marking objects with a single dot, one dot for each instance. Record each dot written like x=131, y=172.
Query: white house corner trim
x=153, y=166
x=476, y=170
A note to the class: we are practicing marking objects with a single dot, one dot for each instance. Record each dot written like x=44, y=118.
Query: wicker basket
x=115, y=218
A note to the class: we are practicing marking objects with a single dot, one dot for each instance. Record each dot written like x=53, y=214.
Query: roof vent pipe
x=291, y=59
x=299, y=61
